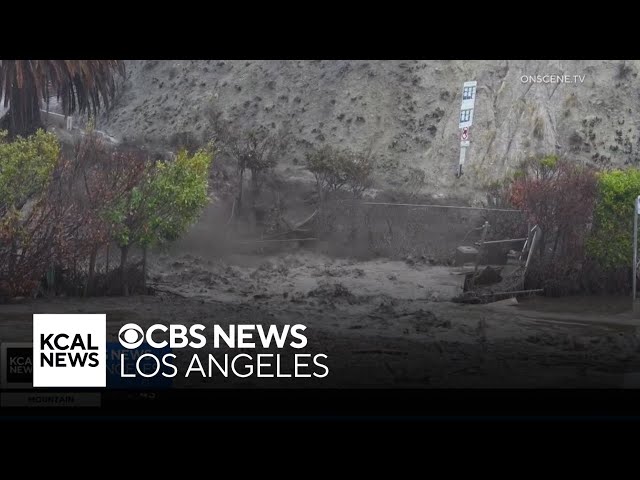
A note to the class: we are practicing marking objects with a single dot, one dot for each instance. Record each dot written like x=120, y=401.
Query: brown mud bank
x=381, y=324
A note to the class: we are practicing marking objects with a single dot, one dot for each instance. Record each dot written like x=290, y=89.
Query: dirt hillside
x=407, y=109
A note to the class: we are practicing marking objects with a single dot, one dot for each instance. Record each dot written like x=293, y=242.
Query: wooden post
x=531, y=248
x=485, y=228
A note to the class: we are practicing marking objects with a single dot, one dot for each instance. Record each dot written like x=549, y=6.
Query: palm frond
x=80, y=86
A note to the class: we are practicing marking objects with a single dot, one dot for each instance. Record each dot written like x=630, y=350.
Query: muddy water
x=605, y=304
x=381, y=323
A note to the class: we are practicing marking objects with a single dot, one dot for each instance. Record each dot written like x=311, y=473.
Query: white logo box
x=83, y=326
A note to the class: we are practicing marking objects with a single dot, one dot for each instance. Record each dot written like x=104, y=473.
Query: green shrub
x=164, y=205
x=26, y=165
x=29, y=228
x=611, y=241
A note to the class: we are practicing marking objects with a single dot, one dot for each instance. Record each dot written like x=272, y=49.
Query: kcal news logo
x=69, y=350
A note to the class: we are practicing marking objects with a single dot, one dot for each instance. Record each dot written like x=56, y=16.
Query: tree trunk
x=106, y=272
x=12, y=258
x=555, y=246
x=75, y=277
x=23, y=117
x=255, y=184
x=124, y=251
x=240, y=186
x=88, y=287
x=144, y=270
x=51, y=278
x=541, y=245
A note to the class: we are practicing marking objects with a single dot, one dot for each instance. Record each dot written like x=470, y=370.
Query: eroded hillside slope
x=408, y=110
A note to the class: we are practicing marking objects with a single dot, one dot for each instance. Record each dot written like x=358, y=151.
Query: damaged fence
x=430, y=232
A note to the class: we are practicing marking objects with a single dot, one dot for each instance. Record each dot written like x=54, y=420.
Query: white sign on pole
x=468, y=103
x=466, y=119
x=463, y=152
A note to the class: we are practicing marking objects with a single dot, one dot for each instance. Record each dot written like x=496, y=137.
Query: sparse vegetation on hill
x=409, y=108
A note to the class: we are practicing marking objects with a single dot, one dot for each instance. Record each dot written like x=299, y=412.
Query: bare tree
x=257, y=149
x=359, y=169
x=335, y=169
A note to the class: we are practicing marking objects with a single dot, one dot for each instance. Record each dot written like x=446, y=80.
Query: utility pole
x=466, y=120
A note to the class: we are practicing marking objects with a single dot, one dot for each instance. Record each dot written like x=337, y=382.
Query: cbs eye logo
x=131, y=336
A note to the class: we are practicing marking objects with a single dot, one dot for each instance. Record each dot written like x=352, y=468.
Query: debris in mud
x=467, y=297
x=266, y=267
x=444, y=324
x=283, y=270
x=387, y=306
x=424, y=320
x=513, y=301
x=157, y=290
x=488, y=276
x=329, y=271
x=548, y=339
x=297, y=298
x=488, y=295
x=412, y=260
x=327, y=292
x=292, y=261
x=578, y=344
